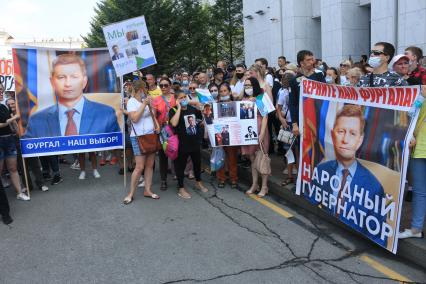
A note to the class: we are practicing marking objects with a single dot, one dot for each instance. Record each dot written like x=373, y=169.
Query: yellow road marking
x=272, y=206
x=384, y=269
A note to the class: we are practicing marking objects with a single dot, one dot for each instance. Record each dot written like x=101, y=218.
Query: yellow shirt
x=420, y=134
x=155, y=93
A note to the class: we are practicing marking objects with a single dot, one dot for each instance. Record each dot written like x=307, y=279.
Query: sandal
x=287, y=182
x=127, y=201
x=153, y=196
x=263, y=192
x=184, y=194
x=221, y=184
x=253, y=190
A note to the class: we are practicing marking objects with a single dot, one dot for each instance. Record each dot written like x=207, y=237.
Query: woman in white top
x=257, y=72
x=143, y=122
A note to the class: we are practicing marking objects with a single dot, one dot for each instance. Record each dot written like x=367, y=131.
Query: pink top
x=162, y=108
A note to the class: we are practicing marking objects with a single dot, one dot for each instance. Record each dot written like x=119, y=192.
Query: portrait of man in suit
x=117, y=53
x=145, y=40
x=191, y=129
x=73, y=114
x=347, y=136
x=251, y=133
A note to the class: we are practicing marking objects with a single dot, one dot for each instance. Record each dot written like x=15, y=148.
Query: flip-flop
x=181, y=196
x=153, y=196
x=127, y=201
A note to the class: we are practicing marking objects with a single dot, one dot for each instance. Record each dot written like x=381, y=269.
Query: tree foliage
x=185, y=34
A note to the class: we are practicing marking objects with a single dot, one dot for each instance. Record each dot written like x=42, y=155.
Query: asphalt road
x=80, y=232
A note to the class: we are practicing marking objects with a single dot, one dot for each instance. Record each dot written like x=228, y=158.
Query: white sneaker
x=142, y=182
x=24, y=190
x=22, y=196
x=82, y=175
x=409, y=234
x=96, y=174
x=44, y=188
x=75, y=165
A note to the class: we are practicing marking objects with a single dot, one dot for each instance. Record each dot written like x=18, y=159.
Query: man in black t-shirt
x=306, y=60
x=189, y=142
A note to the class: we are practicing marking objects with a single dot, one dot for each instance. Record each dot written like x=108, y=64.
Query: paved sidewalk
x=80, y=232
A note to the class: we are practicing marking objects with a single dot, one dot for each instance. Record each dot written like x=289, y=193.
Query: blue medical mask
x=184, y=103
x=328, y=80
x=374, y=61
x=215, y=94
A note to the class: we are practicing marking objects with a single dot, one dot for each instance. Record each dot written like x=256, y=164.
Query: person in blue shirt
x=73, y=114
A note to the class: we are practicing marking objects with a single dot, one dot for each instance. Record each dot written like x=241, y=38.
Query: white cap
x=395, y=59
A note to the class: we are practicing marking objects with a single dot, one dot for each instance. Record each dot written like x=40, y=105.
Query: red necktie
x=71, y=128
x=340, y=200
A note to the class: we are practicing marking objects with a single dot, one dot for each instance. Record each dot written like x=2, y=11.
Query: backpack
x=169, y=141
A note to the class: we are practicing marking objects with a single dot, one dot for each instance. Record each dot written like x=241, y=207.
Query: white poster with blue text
x=129, y=45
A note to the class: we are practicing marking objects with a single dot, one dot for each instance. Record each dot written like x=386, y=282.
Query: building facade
x=332, y=29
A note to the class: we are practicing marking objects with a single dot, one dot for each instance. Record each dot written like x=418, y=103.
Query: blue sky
x=28, y=19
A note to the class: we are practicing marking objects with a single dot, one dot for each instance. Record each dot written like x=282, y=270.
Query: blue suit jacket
x=96, y=118
x=364, y=179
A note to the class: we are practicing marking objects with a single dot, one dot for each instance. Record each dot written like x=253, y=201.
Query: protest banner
x=6, y=74
x=231, y=123
x=354, y=154
x=68, y=101
x=129, y=45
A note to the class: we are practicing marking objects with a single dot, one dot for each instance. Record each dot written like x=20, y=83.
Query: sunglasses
x=191, y=88
x=164, y=85
x=247, y=86
x=377, y=52
x=344, y=65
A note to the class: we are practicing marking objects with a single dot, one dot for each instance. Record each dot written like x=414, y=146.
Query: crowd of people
x=153, y=102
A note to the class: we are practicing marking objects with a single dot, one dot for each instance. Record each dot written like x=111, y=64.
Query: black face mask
x=239, y=75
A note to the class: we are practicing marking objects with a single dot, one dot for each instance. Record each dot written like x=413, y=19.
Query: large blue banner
x=68, y=100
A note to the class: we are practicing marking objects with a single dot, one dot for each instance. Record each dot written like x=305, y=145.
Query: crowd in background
x=154, y=102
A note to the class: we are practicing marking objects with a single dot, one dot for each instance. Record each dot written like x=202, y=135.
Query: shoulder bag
x=148, y=143
x=262, y=161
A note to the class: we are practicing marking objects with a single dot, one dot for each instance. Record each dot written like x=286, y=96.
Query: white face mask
x=214, y=94
x=374, y=61
x=225, y=98
x=249, y=92
x=328, y=80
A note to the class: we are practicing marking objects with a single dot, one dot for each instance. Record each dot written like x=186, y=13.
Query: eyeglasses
x=377, y=52
x=344, y=65
x=247, y=86
x=164, y=85
x=191, y=88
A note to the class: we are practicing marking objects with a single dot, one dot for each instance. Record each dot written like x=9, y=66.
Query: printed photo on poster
x=251, y=134
x=132, y=35
x=116, y=53
x=353, y=158
x=221, y=135
x=53, y=105
x=227, y=109
x=133, y=42
x=208, y=114
x=145, y=40
x=247, y=110
x=190, y=124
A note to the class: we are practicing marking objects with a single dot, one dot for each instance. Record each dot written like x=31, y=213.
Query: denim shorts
x=7, y=147
x=135, y=146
